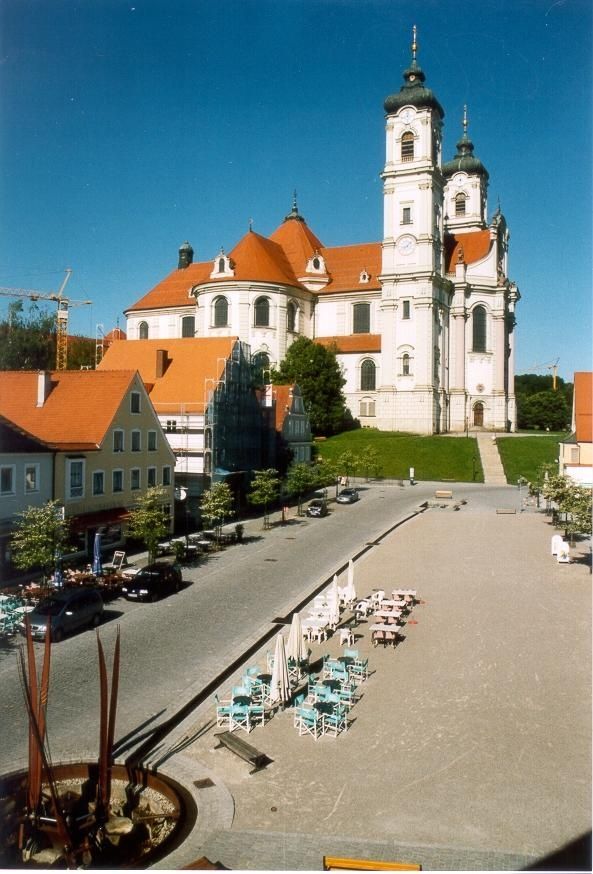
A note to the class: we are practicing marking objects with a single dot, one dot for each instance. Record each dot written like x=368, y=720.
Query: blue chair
x=309, y=721
x=223, y=712
x=335, y=721
x=239, y=717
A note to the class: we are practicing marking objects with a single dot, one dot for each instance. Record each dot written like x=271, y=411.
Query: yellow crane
x=549, y=365
x=64, y=306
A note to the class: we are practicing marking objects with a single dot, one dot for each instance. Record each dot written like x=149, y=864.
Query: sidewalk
x=469, y=750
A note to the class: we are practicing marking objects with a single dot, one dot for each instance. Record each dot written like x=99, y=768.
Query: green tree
x=27, y=341
x=327, y=473
x=577, y=507
x=149, y=521
x=81, y=353
x=369, y=462
x=348, y=462
x=40, y=536
x=316, y=370
x=300, y=479
x=265, y=489
x=217, y=505
x=545, y=410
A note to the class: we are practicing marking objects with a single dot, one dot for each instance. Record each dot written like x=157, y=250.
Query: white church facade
x=423, y=321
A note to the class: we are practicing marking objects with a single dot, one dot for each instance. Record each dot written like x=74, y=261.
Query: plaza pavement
x=471, y=746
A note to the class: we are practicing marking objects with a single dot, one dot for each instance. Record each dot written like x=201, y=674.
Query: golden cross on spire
x=414, y=43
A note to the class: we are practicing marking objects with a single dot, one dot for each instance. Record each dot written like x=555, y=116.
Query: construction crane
x=549, y=365
x=64, y=306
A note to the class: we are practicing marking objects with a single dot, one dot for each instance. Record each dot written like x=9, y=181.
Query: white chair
x=309, y=721
x=377, y=596
x=346, y=636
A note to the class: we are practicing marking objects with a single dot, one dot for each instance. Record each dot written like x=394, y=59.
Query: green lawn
x=522, y=456
x=437, y=458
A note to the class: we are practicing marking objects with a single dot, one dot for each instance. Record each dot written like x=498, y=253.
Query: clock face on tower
x=406, y=245
x=407, y=116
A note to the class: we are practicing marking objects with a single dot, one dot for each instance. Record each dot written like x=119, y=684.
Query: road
x=172, y=649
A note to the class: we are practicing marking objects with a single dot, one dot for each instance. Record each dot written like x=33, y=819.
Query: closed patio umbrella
x=58, y=573
x=350, y=591
x=333, y=601
x=279, y=684
x=295, y=647
x=97, y=565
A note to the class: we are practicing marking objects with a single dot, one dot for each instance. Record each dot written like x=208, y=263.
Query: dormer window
x=316, y=264
x=364, y=276
x=223, y=266
x=460, y=200
x=407, y=146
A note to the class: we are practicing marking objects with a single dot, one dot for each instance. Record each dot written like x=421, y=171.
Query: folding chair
x=336, y=721
x=239, y=717
x=359, y=669
x=309, y=722
x=223, y=713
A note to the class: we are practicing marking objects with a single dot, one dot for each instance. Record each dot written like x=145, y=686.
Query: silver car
x=67, y=610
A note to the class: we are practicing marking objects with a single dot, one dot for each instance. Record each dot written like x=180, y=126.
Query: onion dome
x=294, y=214
x=413, y=92
x=186, y=256
x=465, y=159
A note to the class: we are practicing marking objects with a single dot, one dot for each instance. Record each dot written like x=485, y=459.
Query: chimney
x=43, y=386
x=186, y=256
x=161, y=362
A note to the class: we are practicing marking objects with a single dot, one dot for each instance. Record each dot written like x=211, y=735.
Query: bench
x=505, y=510
x=333, y=863
x=244, y=750
x=443, y=493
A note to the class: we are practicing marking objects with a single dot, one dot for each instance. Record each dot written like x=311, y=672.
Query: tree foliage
x=149, y=521
x=27, y=341
x=573, y=501
x=300, y=479
x=265, y=489
x=40, y=536
x=545, y=410
x=369, y=462
x=217, y=505
x=316, y=370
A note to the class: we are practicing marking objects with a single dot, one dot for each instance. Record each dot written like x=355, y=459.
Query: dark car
x=152, y=582
x=66, y=610
x=317, y=507
x=347, y=496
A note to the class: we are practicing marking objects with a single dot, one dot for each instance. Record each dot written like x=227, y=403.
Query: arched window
x=361, y=318
x=368, y=373
x=221, y=265
x=221, y=312
x=188, y=326
x=407, y=152
x=366, y=407
x=143, y=330
x=262, y=312
x=291, y=316
x=260, y=368
x=460, y=203
x=405, y=364
x=479, y=329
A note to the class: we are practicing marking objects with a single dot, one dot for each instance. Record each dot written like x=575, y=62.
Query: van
x=66, y=610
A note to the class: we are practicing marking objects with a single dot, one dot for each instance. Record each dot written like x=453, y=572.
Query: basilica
x=422, y=321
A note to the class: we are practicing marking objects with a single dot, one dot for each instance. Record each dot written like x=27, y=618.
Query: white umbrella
x=333, y=602
x=350, y=591
x=295, y=647
x=279, y=684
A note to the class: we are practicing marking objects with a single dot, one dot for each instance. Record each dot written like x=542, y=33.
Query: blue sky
x=129, y=126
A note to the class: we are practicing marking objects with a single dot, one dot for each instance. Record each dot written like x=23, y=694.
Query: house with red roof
x=201, y=390
x=423, y=319
x=576, y=452
x=90, y=440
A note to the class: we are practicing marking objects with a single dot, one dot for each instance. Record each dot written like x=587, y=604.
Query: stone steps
x=493, y=470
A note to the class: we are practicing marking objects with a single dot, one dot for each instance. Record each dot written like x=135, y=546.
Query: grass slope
x=522, y=456
x=437, y=458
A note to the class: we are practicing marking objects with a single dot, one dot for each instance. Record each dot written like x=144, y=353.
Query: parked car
x=317, y=507
x=347, y=496
x=152, y=582
x=66, y=610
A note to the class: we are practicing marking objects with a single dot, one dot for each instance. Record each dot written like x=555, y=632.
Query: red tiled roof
x=77, y=412
x=190, y=362
x=475, y=246
x=583, y=401
x=298, y=242
x=345, y=264
x=259, y=259
x=353, y=342
x=282, y=394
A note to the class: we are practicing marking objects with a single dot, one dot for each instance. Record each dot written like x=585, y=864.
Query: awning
x=101, y=517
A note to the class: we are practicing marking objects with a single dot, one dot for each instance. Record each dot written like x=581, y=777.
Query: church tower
x=415, y=295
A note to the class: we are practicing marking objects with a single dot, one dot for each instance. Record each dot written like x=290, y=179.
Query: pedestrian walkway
x=452, y=757
x=491, y=464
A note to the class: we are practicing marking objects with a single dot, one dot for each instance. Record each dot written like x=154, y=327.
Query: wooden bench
x=333, y=863
x=443, y=493
x=244, y=750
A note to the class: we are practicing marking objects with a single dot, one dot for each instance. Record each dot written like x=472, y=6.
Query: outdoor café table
x=265, y=678
x=391, y=616
x=389, y=602
x=244, y=700
x=346, y=660
x=332, y=684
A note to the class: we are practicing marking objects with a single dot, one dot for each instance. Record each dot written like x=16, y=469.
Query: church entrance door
x=479, y=416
